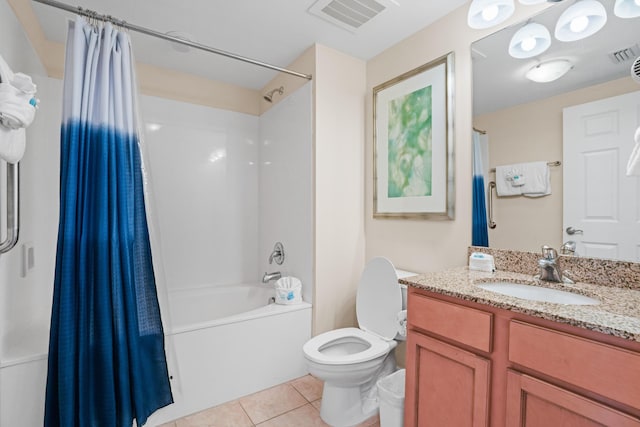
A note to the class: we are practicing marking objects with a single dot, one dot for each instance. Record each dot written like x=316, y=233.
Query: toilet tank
x=402, y=274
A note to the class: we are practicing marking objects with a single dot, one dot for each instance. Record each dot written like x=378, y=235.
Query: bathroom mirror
x=523, y=119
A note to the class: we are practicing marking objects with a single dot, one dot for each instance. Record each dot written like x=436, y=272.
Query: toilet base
x=348, y=405
x=344, y=407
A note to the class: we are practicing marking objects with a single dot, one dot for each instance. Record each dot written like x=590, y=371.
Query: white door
x=599, y=199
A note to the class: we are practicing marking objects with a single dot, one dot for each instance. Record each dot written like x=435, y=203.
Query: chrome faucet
x=568, y=248
x=550, y=266
x=271, y=276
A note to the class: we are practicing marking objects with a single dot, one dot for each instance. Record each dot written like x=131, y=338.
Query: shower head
x=269, y=95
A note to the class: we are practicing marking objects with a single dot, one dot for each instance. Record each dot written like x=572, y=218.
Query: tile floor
x=292, y=404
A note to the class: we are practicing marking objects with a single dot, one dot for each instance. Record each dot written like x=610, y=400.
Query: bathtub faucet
x=271, y=276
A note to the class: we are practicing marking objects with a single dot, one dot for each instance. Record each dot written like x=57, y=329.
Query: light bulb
x=579, y=24
x=489, y=13
x=528, y=44
x=627, y=8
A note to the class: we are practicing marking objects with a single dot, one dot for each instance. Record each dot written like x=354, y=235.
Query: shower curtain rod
x=120, y=23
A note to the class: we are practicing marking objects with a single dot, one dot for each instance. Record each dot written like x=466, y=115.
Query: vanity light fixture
x=530, y=40
x=580, y=20
x=549, y=71
x=627, y=8
x=487, y=13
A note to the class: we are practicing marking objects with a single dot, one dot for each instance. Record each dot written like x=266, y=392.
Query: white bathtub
x=228, y=341
x=217, y=305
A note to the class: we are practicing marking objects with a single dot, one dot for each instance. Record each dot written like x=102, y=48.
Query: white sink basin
x=538, y=293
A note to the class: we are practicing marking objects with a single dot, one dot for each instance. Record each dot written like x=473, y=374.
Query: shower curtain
x=479, y=231
x=107, y=364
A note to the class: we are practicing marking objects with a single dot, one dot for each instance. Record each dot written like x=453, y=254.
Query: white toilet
x=351, y=360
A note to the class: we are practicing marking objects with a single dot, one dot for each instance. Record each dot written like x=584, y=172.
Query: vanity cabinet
x=471, y=365
x=450, y=384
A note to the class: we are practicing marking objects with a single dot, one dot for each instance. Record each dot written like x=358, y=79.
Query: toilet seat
x=377, y=347
x=379, y=299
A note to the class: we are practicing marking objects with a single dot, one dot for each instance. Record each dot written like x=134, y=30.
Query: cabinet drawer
x=603, y=369
x=462, y=324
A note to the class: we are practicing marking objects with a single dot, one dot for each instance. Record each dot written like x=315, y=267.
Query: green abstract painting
x=410, y=145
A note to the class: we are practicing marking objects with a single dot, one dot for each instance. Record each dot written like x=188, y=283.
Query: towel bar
x=492, y=223
x=555, y=163
x=13, y=208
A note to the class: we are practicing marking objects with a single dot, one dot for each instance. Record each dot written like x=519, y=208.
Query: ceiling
x=271, y=31
x=498, y=78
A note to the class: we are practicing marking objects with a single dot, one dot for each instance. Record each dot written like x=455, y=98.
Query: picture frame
x=413, y=165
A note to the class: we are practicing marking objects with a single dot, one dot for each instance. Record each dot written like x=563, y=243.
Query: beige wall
x=339, y=180
x=305, y=63
x=427, y=245
x=532, y=132
x=338, y=116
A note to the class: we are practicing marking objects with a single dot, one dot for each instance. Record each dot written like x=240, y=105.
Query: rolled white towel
x=633, y=165
x=12, y=144
x=17, y=102
x=17, y=111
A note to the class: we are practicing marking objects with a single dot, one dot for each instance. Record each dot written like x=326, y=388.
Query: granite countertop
x=618, y=313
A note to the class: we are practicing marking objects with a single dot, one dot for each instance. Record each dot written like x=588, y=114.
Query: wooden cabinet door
x=535, y=403
x=445, y=385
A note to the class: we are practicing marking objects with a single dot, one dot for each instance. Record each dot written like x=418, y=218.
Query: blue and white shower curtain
x=479, y=231
x=107, y=363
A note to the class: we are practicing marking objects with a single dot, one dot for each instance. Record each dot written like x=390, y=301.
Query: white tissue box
x=481, y=262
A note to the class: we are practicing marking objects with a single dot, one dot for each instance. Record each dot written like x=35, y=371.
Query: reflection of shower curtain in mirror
x=107, y=364
x=479, y=233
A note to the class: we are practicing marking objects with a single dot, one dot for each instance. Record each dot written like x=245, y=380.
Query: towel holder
x=492, y=187
x=13, y=208
x=554, y=163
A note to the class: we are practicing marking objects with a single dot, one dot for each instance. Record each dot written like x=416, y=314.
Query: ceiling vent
x=350, y=15
x=624, y=55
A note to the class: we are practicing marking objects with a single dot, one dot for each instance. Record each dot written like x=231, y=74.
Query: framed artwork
x=413, y=143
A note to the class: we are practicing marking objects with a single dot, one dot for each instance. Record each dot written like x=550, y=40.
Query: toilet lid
x=379, y=299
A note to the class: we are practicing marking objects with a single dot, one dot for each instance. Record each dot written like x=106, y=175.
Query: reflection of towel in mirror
x=538, y=179
x=504, y=180
x=633, y=165
x=534, y=179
